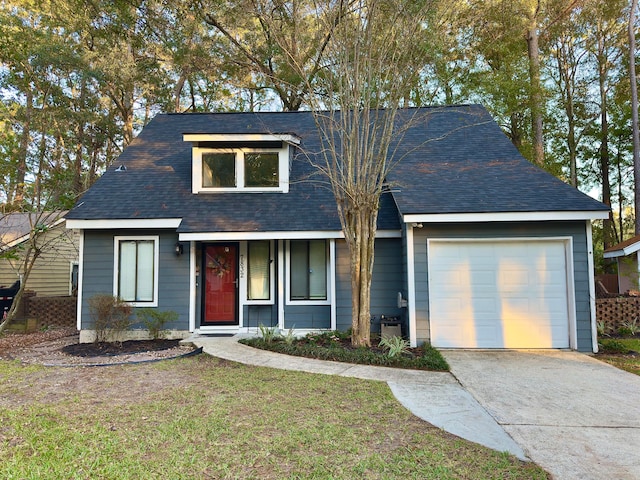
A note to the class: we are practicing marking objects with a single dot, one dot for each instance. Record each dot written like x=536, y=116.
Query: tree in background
x=280, y=43
x=633, y=81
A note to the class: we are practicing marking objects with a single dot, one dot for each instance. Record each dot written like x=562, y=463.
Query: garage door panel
x=504, y=294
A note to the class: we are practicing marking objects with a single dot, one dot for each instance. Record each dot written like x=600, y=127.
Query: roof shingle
x=451, y=160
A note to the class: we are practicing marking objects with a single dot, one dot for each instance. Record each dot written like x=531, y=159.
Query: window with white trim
x=136, y=270
x=259, y=270
x=241, y=162
x=240, y=169
x=308, y=270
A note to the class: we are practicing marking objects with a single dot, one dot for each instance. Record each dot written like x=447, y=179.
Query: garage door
x=505, y=294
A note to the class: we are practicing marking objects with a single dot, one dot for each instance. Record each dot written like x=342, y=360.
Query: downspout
x=592, y=289
x=193, y=287
x=80, y=281
x=411, y=287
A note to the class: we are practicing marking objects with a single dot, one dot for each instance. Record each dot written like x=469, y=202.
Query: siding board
x=386, y=282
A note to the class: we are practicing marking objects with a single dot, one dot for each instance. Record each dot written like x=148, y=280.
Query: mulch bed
x=115, y=348
x=60, y=347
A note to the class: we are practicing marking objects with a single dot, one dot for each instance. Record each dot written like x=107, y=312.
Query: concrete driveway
x=573, y=415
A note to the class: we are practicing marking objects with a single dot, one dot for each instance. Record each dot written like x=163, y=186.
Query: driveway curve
x=575, y=416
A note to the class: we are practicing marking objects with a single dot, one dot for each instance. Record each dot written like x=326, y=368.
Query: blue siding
x=173, y=275
x=307, y=316
x=343, y=287
x=576, y=230
x=255, y=315
x=386, y=282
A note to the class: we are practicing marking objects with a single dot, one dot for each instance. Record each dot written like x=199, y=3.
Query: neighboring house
x=626, y=255
x=224, y=219
x=55, y=270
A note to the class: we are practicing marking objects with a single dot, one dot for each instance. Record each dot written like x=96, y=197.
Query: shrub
x=395, y=346
x=154, y=320
x=110, y=317
x=613, y=346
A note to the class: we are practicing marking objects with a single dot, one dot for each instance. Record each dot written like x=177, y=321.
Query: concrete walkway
x=575, y=416
x=436, y=397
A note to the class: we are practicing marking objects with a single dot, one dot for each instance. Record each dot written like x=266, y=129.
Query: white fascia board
x=623, y=252
x=277, y=235
x=240, y=137
x=141, y=223
x=504, y=217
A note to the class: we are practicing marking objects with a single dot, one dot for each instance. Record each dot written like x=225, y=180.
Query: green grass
x=336, y=346
x=207, y=418
x=622, y=353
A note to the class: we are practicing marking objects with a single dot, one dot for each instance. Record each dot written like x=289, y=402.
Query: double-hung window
x=136, y=270
x=308, y=270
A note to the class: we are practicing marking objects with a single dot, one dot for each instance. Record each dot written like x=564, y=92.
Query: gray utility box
x=390, y=327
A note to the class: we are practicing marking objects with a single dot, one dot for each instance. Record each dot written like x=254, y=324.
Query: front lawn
x=621, y=352
x=207, y=418
x=336, y=346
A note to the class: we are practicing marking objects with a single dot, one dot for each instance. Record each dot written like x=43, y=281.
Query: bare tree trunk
x=177, y=92
x=566, y=86
x=620, y=193
x=25, y=138
x=80, y=140
x=634, y=111
x=361, y=250
x=607, y=224
x=536, y=88
x=515, y=132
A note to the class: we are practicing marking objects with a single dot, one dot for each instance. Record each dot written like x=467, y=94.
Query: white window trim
x=283, y=170
x=244, y=276
x=330, y=274
x=71, y=265
x=156, y=258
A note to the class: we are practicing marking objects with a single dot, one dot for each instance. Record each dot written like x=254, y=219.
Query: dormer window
x=240, y=163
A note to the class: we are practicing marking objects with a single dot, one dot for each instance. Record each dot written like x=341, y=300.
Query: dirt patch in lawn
x=60, y=347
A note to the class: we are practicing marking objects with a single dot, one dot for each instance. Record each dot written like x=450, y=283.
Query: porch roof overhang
x=124, y=223
x=274, y=235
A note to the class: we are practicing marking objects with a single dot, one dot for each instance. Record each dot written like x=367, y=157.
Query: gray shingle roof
x=471, y=168
x=458, y=160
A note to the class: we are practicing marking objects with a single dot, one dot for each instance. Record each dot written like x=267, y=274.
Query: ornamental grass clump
x=394, y=346
x=268, y=334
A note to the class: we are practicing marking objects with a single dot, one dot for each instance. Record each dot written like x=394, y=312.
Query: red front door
x=220, y=284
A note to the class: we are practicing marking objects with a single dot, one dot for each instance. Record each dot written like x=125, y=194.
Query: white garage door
x=504, y=294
